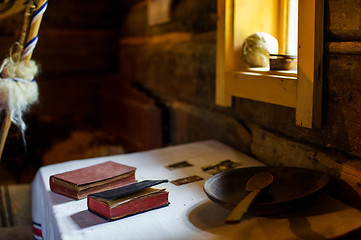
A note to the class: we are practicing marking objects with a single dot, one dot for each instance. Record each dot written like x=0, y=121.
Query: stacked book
x=111, y=189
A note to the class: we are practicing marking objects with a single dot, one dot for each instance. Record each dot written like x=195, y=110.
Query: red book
x=128, y=200
x=77, y=184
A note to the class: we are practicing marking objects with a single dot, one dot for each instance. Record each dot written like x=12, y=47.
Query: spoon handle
x=242, y=207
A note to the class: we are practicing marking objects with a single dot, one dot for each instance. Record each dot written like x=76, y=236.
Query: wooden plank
x=343, y=20
x=224, y=50
x=77, y=15
x=190, y=123
x=310, y=51
x=173, y=37
x=141, y=129
x=278, y=151
x=77, y=33
x=279, y=90
x=62, y=50
x=344, y=47
x=343, y=103
x=187, y=16
x=283, y=26
x=67, y=94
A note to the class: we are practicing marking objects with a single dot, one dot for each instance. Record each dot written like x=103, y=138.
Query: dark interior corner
x=112, y=84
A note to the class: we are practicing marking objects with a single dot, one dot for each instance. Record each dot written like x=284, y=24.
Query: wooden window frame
x=301, y=91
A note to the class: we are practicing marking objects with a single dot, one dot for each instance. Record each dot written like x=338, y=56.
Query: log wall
x=174, y=64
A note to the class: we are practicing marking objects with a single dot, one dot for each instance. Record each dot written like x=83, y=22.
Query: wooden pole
x=34, y=29
x=33, y=34
x=5, y=126
x=29, y=9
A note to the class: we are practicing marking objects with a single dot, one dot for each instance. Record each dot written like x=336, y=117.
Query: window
x=291, y=26
x=299, y=89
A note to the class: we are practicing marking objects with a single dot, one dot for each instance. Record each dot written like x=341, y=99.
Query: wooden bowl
x=291, y=188
x=282, y=62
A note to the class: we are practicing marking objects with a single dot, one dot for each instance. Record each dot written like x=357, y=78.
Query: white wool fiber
x=258, y=47
x=17, y=96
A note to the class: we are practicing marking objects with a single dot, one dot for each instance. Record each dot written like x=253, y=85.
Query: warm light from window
x=292, y=27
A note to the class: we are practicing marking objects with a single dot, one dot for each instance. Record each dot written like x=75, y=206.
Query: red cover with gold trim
x=79, y=183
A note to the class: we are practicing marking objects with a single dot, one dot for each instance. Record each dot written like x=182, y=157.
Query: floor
x=15, y=212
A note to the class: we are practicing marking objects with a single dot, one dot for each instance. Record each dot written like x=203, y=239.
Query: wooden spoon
x=255, y=184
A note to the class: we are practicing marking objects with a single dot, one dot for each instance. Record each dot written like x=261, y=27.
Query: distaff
x=17, y=86
x=34, y=29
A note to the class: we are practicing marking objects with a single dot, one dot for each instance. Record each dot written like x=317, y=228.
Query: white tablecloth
x=189, y=215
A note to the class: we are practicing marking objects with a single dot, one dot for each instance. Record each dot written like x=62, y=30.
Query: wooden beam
x=310, y=63
x=174, y=37
x=224, y=50
x=344, y=47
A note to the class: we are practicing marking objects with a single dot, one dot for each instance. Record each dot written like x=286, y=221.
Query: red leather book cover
x=79, y=183
x=128, y=200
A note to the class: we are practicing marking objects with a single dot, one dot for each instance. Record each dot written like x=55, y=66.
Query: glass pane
x=292, y=27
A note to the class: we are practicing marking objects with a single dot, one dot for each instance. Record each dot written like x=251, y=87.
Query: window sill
x=277, y=87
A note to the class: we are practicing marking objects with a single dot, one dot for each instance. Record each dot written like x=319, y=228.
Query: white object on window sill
x=158, y=11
